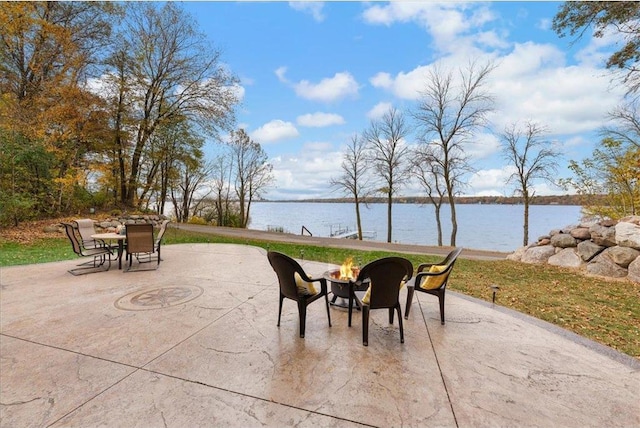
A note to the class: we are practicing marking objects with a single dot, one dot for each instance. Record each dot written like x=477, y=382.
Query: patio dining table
x=111, y=236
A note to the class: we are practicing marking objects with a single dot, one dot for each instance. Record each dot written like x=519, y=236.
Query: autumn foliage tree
x=47, y=50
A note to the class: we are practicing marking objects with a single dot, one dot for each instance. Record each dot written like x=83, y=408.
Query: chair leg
x=365, y=325
x=302, y=311
x=391, y=315
x=441, y=300
x=350, y=309
x=280, y=309
x=410, y=291
x=400, y=322
x=326, y=299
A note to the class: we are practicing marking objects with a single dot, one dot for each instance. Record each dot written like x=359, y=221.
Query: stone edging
x=604, y=248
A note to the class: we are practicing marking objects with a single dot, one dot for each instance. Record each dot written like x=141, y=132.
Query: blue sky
x=313, y=74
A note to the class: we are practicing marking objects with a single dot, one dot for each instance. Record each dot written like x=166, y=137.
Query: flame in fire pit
x=347, y=270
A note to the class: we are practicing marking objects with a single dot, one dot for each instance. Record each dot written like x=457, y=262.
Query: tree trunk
x=389, y=204
x=358, y=221
x=454, y=222
x=438, y=224
x=525, y=239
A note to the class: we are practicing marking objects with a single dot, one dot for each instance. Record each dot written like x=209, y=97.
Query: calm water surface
x=483, y=227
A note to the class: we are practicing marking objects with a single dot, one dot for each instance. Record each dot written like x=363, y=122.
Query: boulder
x=633, y=219
x=602, y=265
x=563, y=240
x=581, y=233
x=634, y=271
x=516, y=256
x=566, y=258
x=627, y=235
x=622, y=256
x=538, y=255
x=588, y=250
x=544, y=241
x=603, y=235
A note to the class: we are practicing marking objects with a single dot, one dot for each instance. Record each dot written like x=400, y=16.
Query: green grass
x=606, y=311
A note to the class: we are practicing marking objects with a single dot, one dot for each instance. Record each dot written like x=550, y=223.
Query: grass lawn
x=606, y=311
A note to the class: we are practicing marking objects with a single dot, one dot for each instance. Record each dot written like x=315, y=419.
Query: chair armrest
x=424, y=266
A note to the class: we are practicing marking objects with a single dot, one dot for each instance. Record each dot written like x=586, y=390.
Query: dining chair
x=141, y=245
x=101, y=256
x=296, y=285
x=432, y=278
x=386, y=276
x=85, y=227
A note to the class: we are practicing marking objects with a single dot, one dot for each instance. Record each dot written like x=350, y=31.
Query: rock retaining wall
x=604, y=248
x=111, y=224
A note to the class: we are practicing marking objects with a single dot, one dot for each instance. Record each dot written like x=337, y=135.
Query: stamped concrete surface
x=195, y=343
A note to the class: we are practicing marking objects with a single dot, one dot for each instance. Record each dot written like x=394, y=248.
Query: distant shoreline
x=577, y=200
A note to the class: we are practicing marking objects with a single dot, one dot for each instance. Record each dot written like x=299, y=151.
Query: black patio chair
x=386, y=277
x=432, y=278
x=296, y=285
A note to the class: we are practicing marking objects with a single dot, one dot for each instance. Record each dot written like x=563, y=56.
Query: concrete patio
x=195, y=343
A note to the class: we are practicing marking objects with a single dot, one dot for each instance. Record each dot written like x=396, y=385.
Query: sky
x=313, y=74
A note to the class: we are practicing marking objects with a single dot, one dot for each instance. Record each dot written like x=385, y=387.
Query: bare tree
x=625, y=124
x=187, y=191
x=533, y=158
x=389, y=155
x=448, y=114
x=354, y=180
x=222, y=170
x=170, y=70
x=427, y=168
x=252, y=171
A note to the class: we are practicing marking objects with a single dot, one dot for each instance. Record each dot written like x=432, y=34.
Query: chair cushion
x=304, y=287
x=367, y=295
x=433, y=282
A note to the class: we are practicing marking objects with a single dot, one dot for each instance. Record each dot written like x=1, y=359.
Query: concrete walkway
x=195, y=343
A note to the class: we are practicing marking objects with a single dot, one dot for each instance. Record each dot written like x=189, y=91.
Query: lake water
x=482, y=227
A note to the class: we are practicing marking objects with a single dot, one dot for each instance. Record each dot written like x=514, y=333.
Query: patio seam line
x=99, y=393
x=243, y=394
x=435, y=355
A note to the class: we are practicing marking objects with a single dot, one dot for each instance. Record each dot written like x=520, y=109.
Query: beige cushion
x=433, y=282
x=304, y=287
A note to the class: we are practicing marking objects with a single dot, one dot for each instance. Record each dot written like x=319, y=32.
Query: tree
x=427, y=168
x=47, y=52
x=354, y=180
x=612, y=171
x=448, y=114
x=252, y=172
x=164, y=69
x=619, y=17
x=385, y=138
x=225, y=214
x=187, y=189
x=533, y=159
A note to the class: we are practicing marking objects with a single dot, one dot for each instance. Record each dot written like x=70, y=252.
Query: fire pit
x=339, y=280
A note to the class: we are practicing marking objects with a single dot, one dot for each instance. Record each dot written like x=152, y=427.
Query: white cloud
x=280, y=71
x=482, y=146
x=337, y=87
x=313, y=8
x=379, y=110
x=305, y=174
x=274, y=131
x=319, y=119
x=531, y=82
x=489, y=182
x=448, y=23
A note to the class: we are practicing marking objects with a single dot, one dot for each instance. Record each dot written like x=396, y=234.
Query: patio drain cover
x=158, y=298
